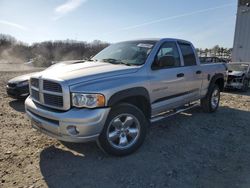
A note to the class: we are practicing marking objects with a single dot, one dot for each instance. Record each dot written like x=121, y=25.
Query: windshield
x=238, y=67
x=128, y=53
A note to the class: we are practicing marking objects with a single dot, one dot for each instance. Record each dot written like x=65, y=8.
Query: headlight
x=88, y=100
x=25, y=83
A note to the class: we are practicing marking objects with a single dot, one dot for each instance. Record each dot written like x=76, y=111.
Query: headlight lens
x=88, y=100
x=25, y=83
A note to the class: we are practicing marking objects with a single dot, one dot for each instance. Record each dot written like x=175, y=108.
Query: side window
x=188, y=54
x=169, y=51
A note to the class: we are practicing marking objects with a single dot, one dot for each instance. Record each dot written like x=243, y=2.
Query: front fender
x=120, y=95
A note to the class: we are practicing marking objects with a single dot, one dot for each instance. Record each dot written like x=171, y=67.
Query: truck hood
x=236, y=73
x=86, y=71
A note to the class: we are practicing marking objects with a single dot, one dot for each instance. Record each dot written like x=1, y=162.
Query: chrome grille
x=53, y=100
x=35, y=94
x=34, y=82
x=52, y=86
x=49, y=93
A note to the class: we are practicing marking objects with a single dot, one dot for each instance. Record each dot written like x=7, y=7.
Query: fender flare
x=131, y=92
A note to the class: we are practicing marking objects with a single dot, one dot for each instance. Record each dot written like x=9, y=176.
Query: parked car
x=18, y=87
x=205, y=60
x=238, y=76
x=113, y=97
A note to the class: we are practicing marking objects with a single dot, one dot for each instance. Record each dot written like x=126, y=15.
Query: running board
x=166, y=114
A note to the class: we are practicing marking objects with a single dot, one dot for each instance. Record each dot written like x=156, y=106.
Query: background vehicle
x=113, y=97
x=204, y=60
x=18, y=87
x=238, y=76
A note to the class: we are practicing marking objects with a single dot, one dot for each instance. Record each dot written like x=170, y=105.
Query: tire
x=211, y=102
x=124, y=131
x=245, y=85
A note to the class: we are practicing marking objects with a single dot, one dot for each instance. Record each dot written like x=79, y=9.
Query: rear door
x=192, y=69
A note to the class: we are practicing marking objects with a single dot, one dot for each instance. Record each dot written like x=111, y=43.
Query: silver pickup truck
x=113, y=97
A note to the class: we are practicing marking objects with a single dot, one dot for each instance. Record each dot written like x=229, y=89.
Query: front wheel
x=124, y=130
x=211, y=102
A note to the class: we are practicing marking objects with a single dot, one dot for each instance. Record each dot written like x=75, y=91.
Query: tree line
x=44, y=53
x=216, y=51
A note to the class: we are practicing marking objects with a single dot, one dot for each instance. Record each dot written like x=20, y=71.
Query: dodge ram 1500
x=113, y=97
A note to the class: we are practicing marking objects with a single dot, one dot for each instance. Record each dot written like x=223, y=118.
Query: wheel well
x=140, y=102
x=220, y=83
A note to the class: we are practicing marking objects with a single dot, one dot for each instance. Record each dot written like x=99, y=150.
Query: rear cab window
x=188, y=54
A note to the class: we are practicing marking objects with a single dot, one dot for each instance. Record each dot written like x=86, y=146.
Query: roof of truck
x=158, y=39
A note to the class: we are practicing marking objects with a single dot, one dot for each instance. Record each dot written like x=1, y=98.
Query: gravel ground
x=192, y=149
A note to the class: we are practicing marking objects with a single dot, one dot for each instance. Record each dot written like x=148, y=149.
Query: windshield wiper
x=115, y=61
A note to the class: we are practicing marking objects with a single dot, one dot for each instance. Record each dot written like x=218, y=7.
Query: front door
x=166, y=82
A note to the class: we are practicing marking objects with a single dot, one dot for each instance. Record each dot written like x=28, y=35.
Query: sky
x=205, y=23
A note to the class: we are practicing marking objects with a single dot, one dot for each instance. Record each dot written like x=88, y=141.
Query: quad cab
x=113, y=97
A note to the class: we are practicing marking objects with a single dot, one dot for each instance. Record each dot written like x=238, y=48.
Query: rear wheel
x=211, y=102
x=124, y=131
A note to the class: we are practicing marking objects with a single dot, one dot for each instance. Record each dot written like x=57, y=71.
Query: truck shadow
x=17, y=105
x=192, y=149
x=237, y=92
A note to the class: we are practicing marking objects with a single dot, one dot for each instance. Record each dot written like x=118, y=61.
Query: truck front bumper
x=18, y=92
x=74, y=125
x=234, y=85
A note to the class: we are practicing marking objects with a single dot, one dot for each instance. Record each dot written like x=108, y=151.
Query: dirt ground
x=192, y=149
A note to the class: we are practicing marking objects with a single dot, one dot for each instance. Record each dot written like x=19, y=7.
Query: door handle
x=180, y=75
x=198, y=72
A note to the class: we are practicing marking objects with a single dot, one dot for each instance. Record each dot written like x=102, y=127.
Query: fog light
x=72, y=130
